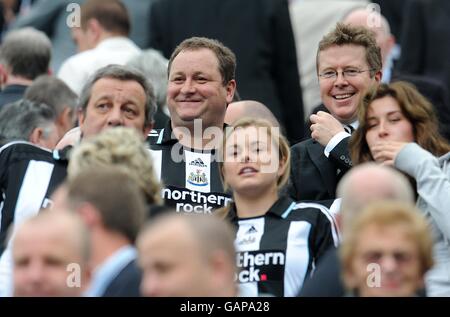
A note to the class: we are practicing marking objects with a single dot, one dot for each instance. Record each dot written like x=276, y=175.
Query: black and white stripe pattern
x=277, y=251
x=191, y=177
x=28, y=176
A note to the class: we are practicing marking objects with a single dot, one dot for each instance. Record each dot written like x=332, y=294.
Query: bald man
x=187, y=256
x=362, y=185
x=50, y=254
x=380, y=26
x=249, y=108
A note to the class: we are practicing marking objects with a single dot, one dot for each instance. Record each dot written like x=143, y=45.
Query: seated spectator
x=56, y=94
x=102, y=40
x=29, y=121
x=387, y=251
x=112, y=206
x=290, y=236
x=48, y=249
x=399, y=128
x=201, y=85
x=362, y=185
x=24, y=55
x=187, y=256
x=26, y=168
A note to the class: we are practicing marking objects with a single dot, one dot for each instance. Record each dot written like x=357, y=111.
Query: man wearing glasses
x=348, y=63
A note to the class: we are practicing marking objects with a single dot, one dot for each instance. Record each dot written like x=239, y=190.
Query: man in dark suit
x=259, y=33
x=432, y=88
x=348, y=63
x=112, y=206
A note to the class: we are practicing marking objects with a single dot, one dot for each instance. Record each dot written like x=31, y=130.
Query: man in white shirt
x=102, y=39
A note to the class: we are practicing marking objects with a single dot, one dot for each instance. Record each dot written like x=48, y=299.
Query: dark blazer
x=259, y=32
x=326, y=280
x=313, y=175
x=11, y=93
x=425, y=40
x=127, y=282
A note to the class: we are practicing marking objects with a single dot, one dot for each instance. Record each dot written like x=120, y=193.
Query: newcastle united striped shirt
x=28, y=176
x=276, y=252
x=190, y=177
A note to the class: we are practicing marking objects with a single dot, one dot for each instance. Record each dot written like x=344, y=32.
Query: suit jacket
x=11, y=93
x=313, y=175
x=259, y=33
x=126, y=283
x=326, y=280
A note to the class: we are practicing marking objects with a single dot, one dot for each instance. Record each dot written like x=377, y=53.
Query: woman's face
x=386, y=122
x=251, y=161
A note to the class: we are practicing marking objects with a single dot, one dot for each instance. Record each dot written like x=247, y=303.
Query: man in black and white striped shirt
x=201, y=85
x=114, y=96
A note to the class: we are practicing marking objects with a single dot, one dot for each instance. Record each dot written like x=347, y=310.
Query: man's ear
x=90, y=215
x=36, y=136
x=65, y=119
x=3, y=75
x=147, y=129
x=231, y=88
x=95, y=31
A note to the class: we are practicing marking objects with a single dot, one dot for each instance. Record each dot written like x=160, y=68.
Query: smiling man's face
x=196, y=89
x=341, y=95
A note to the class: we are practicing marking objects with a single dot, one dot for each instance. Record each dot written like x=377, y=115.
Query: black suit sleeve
x=413, y=39
x=340, y=155
x=286, y=76
x=291, y=189
x=158, y=40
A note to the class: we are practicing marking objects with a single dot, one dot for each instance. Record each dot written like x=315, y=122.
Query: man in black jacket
x=348, y=63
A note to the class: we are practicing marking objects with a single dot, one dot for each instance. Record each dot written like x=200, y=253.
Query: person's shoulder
x=22, y=151
x=23, y=147
x=155, y=137
x=301, y=146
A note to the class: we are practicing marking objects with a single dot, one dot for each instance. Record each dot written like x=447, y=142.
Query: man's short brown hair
x=225, y=57
x=111, y=14
x=345, y=34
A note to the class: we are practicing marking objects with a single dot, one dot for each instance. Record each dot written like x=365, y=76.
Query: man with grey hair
x=30, y=121
x=56, y=94
x=154, y=66
x=362, y=185
x=114, y=96
x=24, y=55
